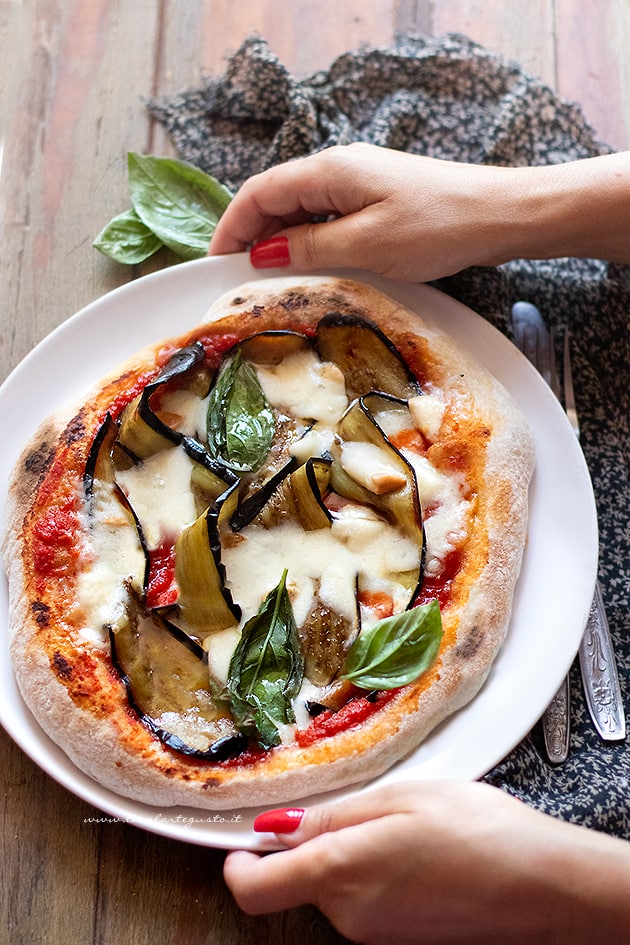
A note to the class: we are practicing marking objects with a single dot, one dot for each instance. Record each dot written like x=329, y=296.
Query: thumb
x=295, y=825
x=338, y=243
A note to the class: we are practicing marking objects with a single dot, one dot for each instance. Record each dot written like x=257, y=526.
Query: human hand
x=400, y=215
x=443, y=862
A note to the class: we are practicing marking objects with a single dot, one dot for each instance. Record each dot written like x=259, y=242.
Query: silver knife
x=533, y=338
x=596, y=653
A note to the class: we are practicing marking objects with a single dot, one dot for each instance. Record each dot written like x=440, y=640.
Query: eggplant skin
x=205, y=601
x=367, y=358
x=325, y=640
x=228, y=746
x=144, y=653
x=142, y=432
x=99, y=463
x=272, y=346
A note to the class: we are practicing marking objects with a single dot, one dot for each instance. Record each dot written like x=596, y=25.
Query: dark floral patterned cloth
x=451, y=98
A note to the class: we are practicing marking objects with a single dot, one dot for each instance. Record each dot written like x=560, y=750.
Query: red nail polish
x=270, y=253
x=282, y=820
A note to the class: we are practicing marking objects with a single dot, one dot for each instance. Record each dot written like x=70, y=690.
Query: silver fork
x=596, y=652
x=532, y=337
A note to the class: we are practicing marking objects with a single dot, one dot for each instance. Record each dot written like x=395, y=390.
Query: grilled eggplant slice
x=367, y=358
x=205, y=603
x=142, y=432
x=167, y=682
x=271, y=347
x=99, y=483
x=326, y=637
x=100, y=465
x=209, y=478
x=299, y=497
x=256, y=501
x=400, y=504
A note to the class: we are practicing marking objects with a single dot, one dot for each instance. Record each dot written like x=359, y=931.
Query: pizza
x=265, y=559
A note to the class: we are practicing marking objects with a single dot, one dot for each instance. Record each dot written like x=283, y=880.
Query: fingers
x=337, y=243
x=271, y=883
x=329, y=818
x=292, y=877
x=281, y=197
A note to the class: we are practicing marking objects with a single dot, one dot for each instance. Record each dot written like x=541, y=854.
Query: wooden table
x=73, y=75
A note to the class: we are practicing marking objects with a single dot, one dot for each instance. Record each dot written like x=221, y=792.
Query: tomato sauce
x=381, y=603
x=162, y=590
x=440, y=588
x=118, y=403
x=54, y=536
x=410, y=440
x=354, y=712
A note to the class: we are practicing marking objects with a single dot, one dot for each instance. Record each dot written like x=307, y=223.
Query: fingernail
x=282, y=820
x=270, y=253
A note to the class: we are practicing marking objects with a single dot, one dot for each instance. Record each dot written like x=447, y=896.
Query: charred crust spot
x=62, y=666
x=74, y=431
x=294, y=301
x=468, y=647
x=41, y=613
x=38, y=461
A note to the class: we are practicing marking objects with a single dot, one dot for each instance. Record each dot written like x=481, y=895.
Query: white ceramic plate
x=554, y=590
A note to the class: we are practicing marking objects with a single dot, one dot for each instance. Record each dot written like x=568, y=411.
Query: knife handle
x=556, y=724
x=599, y=674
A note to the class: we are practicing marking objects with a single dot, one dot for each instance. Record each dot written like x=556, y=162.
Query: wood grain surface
x=73, y=78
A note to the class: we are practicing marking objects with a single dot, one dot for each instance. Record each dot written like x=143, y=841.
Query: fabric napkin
x=451, y=98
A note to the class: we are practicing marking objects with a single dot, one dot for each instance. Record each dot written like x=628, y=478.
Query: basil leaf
x=396, y=650
x=127, y=239
x=241, y=424
x=177, y=201
x=266, y=669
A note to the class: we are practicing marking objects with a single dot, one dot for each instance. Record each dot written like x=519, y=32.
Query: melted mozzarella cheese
x=322, y=562
x=305, y=387
x=219, y=647
x=446, y=525
x=370, y=466
x=189, y=409
x=160, y=494
x=116, y=559
x=427, y=412
x=317, y=441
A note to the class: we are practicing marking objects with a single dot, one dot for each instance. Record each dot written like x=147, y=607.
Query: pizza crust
x=101, y=735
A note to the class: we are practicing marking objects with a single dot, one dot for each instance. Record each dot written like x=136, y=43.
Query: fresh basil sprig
x=266, y=669
x=395, y=651
x=175, y=204
x=241, y=424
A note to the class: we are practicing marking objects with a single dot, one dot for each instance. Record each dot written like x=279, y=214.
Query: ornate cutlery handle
x=601, y=684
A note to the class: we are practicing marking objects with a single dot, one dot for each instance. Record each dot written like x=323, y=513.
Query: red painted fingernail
x=282, y=820
x=270, y=253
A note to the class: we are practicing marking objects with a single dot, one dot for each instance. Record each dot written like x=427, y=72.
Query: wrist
x=589, y=887
x=581, y=209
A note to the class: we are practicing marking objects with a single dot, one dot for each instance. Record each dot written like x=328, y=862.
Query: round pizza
x=265, y=559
